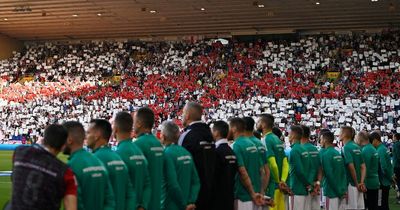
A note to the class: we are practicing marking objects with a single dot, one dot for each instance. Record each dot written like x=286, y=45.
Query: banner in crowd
x=333, y=74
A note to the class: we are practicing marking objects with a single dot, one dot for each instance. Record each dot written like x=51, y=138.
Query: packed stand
x=286, y=78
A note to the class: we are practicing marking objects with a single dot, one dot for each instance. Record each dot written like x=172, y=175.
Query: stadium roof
x=91, y=19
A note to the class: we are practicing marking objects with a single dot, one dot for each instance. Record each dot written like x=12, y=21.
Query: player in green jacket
x=315, y=173
x=94, y=188
x=385, y=168
x=181, y=182
x=152, y=150
x=262, y=150
x=335, y=182
x=299, y=161
x=98, y=134
x=277, y=160
x=248, y=192
x=355, y=168
x=133, y=158
x=371, y=159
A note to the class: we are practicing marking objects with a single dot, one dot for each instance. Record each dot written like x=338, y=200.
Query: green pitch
x=5, y=182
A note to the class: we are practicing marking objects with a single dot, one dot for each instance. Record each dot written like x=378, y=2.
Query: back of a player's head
x=397, y=136
x=55, y=136
x=348, y=132
x=195, y=110
x=296, y=131
x=222, y=128
x=249, y=122
x=237, y=124
x=146, y=117
x=170, y=131
x=76, y=132
x=124, y=122
x=277, y=132
x=375, y=136
x=362, y=137
x=268, y=120
x=104, y=127
x=328, y=137
x=306, y=131
x=322, y=131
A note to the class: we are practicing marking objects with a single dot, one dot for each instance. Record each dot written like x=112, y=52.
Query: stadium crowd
x=201, y=168
x=287, y=78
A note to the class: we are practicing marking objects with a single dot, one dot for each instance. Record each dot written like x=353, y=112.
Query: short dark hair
x=277, y=132
x=238, y=123
x=75, y=131
x=55, y=136
x=397, y=136
x=306, y=131
x=374, y=135
x=328, y=136
x=268, y=120
x=146, y=116
x=104, y=126
x=249, y=121
x=222, y=127
x=124, y=122
x=324, y=130
x=297, y=130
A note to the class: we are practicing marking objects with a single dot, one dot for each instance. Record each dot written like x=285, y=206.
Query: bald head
x=192, y=112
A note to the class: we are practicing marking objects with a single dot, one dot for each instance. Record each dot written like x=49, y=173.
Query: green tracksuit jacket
x=315, y=162
x=138, y=171
x=352, y=154
x=247, y=156
x=94, y=188
x=125, y=197
x=371, y=159
x=335, y=181
x=299, y=162
x=385, y=165
x=182, y=184
x=153, y=151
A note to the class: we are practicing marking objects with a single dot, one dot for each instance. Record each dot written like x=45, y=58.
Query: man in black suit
x=226, y=167
x=198, y=140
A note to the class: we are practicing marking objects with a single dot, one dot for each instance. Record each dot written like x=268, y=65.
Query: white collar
x=194, y=122
x=221, y=141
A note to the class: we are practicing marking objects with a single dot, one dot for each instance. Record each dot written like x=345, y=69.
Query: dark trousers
x=397, y=173
x=385, y=198
x=371, y=199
